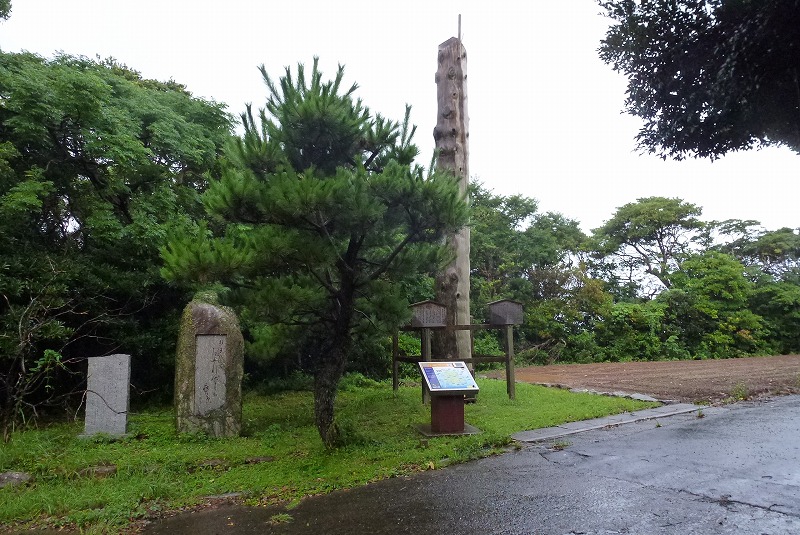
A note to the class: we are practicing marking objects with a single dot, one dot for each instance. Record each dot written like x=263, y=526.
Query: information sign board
x=448, y=378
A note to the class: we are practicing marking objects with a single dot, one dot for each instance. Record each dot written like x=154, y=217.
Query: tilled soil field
x=707, y=381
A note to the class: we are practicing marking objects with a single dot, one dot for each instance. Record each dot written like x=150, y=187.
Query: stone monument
x=108, y=395
x=208, y=370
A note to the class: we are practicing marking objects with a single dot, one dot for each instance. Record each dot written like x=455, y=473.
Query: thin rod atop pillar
x=459, y=27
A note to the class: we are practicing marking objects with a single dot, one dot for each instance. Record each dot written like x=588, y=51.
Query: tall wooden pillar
x=452, y=144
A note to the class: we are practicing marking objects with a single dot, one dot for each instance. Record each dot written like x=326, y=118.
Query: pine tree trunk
x=326, y=382
x=452, y=143
x=333, y=361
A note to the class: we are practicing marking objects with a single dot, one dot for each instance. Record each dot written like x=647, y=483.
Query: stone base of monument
x=447, y=417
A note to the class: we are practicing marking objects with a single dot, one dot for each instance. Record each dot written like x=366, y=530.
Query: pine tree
x=323, y=217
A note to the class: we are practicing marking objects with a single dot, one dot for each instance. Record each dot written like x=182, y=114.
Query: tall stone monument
x=208, y=370
x=108, y=395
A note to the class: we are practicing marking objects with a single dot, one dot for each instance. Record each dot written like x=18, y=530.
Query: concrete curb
x=572, y=428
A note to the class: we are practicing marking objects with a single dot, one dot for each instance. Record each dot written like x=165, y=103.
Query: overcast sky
x=544, y=111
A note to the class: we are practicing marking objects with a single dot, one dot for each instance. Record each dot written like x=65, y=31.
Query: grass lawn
x=279, y=456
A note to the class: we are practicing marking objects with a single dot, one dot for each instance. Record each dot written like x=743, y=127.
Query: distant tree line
x=654, y=282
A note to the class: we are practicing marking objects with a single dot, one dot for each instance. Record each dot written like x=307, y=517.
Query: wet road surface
x=734, y=471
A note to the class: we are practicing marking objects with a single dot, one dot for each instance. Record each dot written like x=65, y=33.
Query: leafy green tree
x=631, y=331
x=646, y=240
x=34, y=336
x=514, y=248
x=324, y=218
x=776, y=253
x=708, y=76
x=683, y=324
x=497, y=243
x=720, y=294
x=96, y=163
x=5, y=9
x=562, y=323
x=778, y=303
x=520, y=254
x=774, y=261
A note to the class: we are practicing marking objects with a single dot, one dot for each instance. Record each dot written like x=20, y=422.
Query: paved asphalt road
x=734, y=471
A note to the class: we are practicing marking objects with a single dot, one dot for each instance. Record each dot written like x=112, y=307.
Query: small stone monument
x=208, y=370
x=108, y=395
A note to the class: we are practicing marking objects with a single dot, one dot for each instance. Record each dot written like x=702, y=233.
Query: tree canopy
x=322, y=218
x=708, y=76
x=776, y=253
x=95, y=164
x=649, y=236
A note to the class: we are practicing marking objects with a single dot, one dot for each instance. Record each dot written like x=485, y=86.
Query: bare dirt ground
x=707, y=381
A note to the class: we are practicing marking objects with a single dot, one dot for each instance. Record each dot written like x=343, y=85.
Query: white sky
x=544, y=111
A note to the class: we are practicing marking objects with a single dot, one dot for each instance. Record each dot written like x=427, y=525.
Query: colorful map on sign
x=447, y=376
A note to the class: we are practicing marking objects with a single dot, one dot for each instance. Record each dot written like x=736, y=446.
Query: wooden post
x=395, y=363
x=510, y=379
x=451, y=135
x=426, y=356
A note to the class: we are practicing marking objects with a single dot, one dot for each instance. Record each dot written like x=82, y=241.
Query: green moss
x=210, y=297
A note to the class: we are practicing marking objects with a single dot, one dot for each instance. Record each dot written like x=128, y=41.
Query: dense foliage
x=654, y=282
x=708, y=76
x=96, y=163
